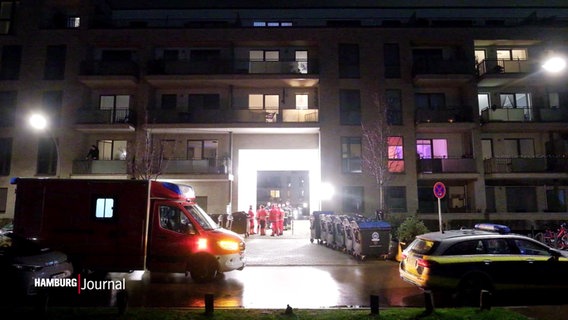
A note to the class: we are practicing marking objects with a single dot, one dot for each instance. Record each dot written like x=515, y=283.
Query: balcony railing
x=97, y=116
x=442, y=67
x=506, y=114
x=505, y=66
x=109, y=68
x=224, y=66
x=449, y=165
x=526, y=165
x=100, y=167
x=447, y=114
x=197, y=166
x=235, y=116
x=168, y=166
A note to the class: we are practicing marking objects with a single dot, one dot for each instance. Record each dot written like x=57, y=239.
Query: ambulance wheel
x=203, y=268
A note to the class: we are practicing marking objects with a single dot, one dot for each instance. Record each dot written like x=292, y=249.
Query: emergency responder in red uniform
x=280, y=221
x=273, y=217
x=250, y=216
x=261, y=217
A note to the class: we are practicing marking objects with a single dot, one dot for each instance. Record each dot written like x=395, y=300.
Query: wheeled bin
x=339, y=239
x=316, y=225
x=240, y=223
x=329, y=231
x=348, y=235
x=372, y=239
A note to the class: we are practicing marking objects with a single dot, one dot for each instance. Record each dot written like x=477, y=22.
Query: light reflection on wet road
x=280, y=271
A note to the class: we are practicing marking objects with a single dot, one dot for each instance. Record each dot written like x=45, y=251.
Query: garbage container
x=339, y=234
x=315, y=227
x=348, y=235
x=240, y=223
x=372, y=239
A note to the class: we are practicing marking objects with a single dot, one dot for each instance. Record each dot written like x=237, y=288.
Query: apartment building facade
x=210, y=95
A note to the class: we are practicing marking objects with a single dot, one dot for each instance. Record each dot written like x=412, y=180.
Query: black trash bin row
x=237, y=222
x=355, y=235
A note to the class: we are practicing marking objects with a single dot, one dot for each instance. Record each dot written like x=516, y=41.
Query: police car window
x=422, y=246
x=469, y=247
x=530, y=248
x=497, y=246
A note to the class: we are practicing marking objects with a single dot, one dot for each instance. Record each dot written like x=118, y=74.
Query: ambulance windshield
x=202, y=218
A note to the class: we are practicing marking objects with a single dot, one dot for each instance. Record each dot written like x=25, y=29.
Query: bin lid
x=375, y=225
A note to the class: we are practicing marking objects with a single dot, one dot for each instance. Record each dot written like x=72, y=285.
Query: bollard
x=209, y=304
x=485, y=300
x=374, y=304
x=428, y=301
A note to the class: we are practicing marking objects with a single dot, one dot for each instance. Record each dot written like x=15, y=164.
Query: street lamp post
x=39, y=122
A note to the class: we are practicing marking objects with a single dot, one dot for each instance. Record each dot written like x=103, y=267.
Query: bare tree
x=146, y=161
x=375, y=144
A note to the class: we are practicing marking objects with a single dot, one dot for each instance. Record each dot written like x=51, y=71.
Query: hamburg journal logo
x=80, y=284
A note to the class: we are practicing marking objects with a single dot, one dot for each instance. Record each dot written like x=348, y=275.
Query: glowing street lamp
x=39, y=122
x=554, y=64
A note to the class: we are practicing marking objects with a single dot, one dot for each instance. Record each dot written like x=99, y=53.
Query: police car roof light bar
x=503, y=229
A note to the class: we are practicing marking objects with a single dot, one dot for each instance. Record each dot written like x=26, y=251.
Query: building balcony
x=98, y=73
x=442, y=73
x=526, y=165
x=448, y=114
x=235, y=116
x=448, y=165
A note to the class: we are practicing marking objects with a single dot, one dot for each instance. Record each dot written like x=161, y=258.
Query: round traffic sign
x=439, y=190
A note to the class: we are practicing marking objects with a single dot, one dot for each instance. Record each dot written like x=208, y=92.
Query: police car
x=487, y=257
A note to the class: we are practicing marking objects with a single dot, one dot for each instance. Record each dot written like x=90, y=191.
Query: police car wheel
x=470, y=287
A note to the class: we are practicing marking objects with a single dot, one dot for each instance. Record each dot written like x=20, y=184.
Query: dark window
x=10, y=62
x=116, y=55
x=205, y=55
x=55, y=63
x=521, y=199
x=394, y=106
x=497, y=246
x=349, y=107
x=351, y=154
x=169, y=101
x=395, y=199
x=7, y=13
x=5, y=155
x=46, y=157
x=349, y=60
x=7, y=108
x=353, y=200
x=51, y=103
x=392, y=60
x=204, y=101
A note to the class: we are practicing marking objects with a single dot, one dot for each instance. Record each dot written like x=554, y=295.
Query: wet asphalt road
x=280, y=271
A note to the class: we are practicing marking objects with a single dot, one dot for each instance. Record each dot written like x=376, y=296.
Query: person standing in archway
x=261, y=217
x=250, y=216
x=273, y=217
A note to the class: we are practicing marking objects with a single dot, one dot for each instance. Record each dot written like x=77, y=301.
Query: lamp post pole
x=39, y=122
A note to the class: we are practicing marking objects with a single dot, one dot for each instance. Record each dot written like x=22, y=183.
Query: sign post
x=439, y=192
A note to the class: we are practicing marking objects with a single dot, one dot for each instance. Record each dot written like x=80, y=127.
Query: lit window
x=73, y=22
x=301, y=101
x=104, y=208
x=395, y=154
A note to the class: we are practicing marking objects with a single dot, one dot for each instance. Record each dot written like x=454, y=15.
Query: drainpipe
x=230, y=172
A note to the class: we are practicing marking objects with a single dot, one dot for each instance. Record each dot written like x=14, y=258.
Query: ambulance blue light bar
x=502, y=229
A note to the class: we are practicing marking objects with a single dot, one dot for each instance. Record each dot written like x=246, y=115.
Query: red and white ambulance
x=126, y=225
